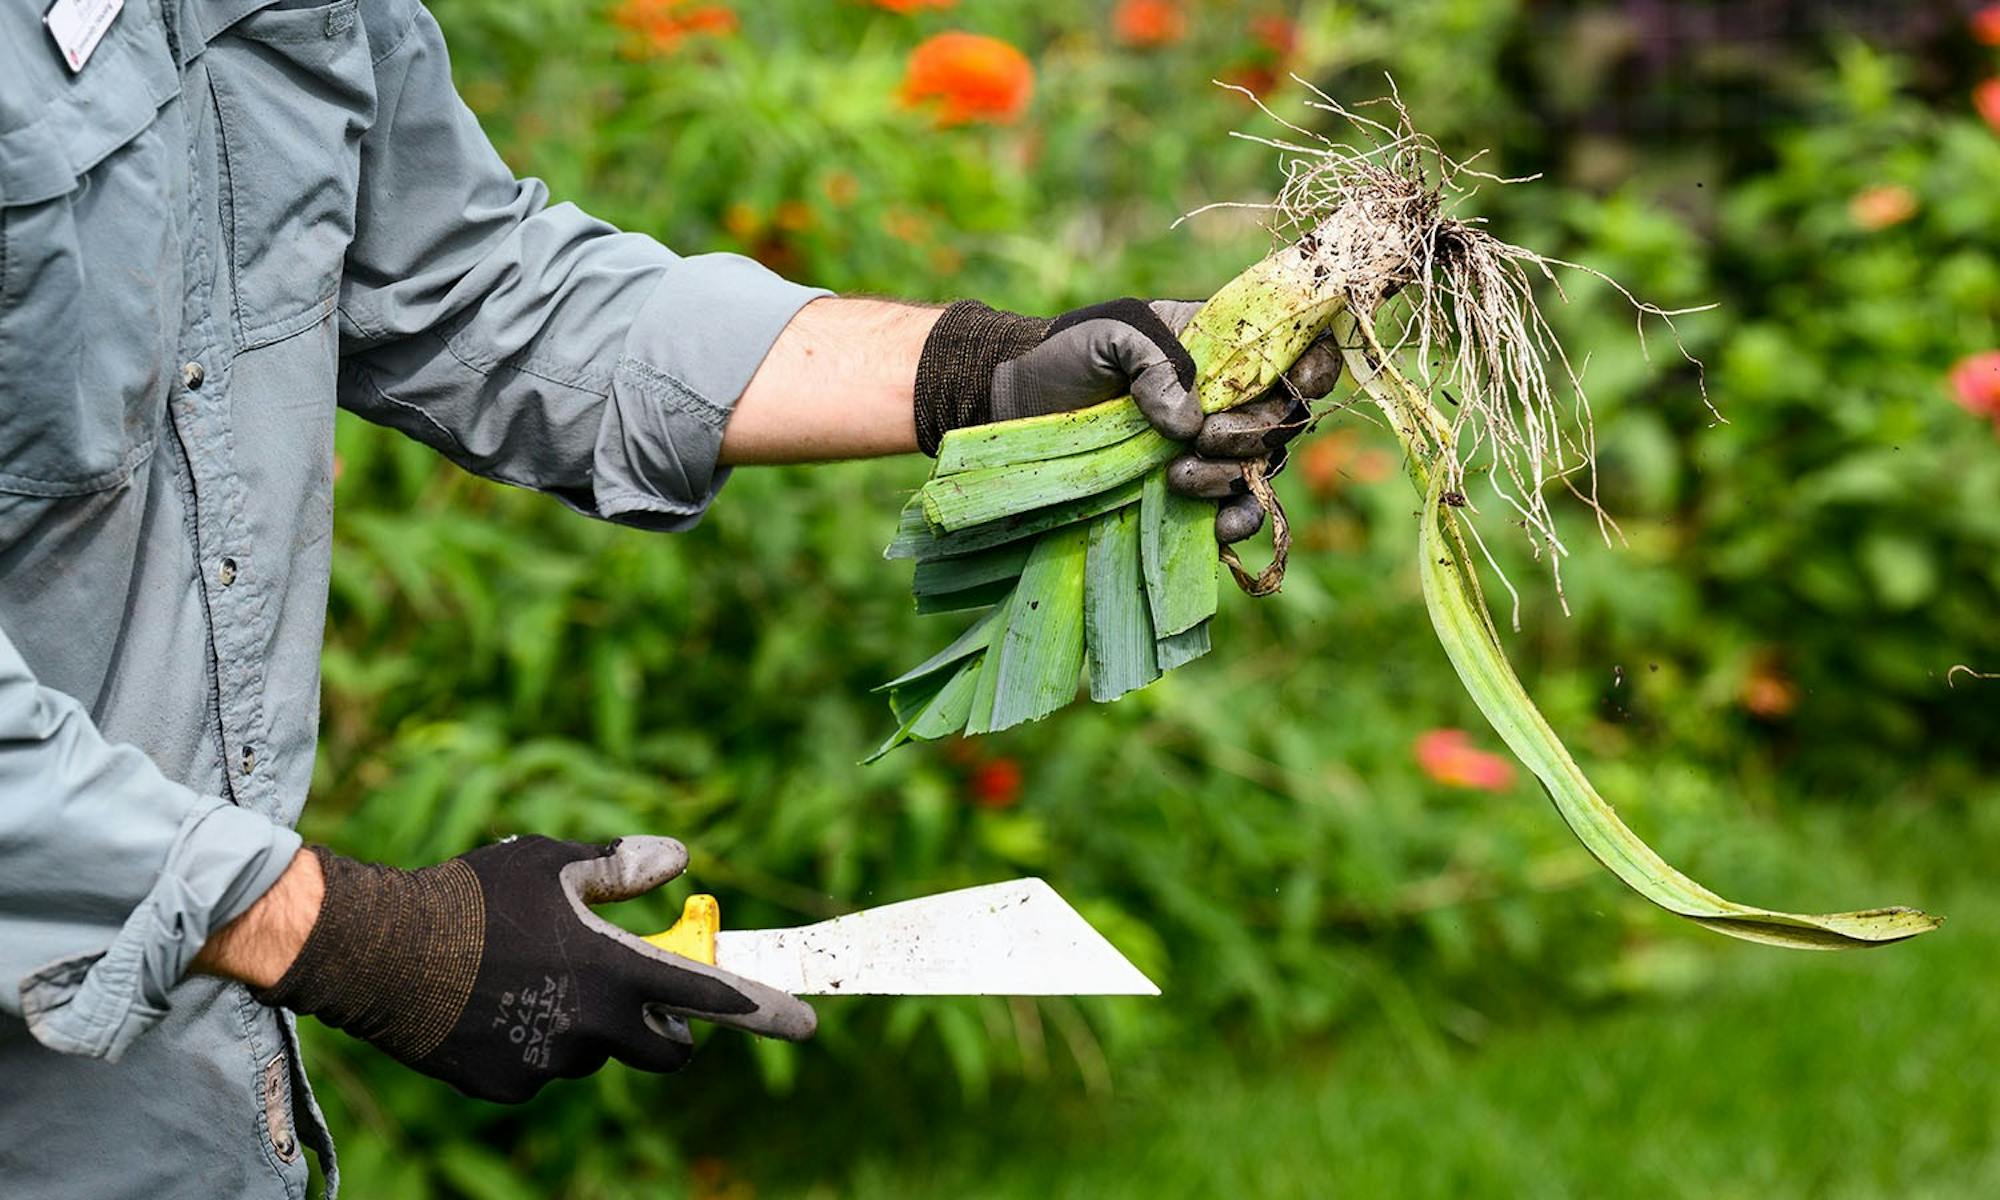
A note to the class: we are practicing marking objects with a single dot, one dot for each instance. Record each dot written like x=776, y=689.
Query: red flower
x=1273, y=41
x=660, y=26
x=1986, y=25
x=969, y=77
x=1986, y=98
x=1277, y=34
x=1149, y=22
x=1449, y=757
x=1256, y=78
x=907, y=7
x=996, y=783
x=1975, y=384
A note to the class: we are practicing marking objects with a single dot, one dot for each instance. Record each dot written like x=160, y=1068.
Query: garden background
x=1389, y=970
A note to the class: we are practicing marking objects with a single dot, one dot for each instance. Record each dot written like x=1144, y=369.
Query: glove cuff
x=955, y=371
x=393, y=955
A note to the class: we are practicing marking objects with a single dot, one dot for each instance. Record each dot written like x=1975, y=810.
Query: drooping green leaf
x=979, y=714
x=938, y=576
x=1469, y=640
x=907, y=704
x=1179, y=649
x=966, y=644
x=1118, y=624
x=947, y=711
x=1041, y=652
x=981, y=595
x=1177, y=546
x=935, y=706
x=922, y=543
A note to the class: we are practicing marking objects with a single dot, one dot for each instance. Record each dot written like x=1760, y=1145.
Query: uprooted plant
x=1062, y=530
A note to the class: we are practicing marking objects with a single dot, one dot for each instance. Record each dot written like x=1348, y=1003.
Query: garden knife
x=1001, y=939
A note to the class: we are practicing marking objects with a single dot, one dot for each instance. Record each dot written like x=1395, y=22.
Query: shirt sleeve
x=111, y=875
x=529, y=342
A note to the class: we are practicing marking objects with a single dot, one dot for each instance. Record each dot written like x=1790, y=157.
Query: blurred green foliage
x=1768, y=640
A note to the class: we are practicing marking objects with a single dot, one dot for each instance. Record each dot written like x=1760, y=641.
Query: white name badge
x=78, y=25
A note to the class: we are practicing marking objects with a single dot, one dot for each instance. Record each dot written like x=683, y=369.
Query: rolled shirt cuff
x=222, y=859
x=689, y=355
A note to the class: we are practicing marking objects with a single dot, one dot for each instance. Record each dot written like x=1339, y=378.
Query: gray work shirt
x=238, y=215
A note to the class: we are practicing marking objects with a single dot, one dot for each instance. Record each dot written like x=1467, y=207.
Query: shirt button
x=226, y=571
x=249, y=759
x=192, y=375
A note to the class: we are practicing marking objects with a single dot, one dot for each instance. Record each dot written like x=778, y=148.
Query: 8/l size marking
x=78, y=25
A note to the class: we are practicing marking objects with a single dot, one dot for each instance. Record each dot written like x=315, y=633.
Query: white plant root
x=1380, y=212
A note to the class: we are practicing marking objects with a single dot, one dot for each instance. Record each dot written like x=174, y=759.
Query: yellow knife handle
x=693, y=936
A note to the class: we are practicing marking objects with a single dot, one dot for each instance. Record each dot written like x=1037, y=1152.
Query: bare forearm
x=837, y=384
x=258, y=946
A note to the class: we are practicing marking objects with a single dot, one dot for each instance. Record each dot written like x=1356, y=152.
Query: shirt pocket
x=90, y=263
x=294, y=90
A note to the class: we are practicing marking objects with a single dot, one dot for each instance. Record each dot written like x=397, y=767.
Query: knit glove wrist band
x=393, y=956
x=955, y=371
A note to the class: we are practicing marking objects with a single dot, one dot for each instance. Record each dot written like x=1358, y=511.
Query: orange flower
x=907, y=226
x=742, y=221
x=1148, y=22
x=996, y=784
x=906, y=7
x=1449, y=757
x=793, y=216
x=1986, y=98
x=1767, y=691
x=1975, y=384
x=969, y=77
x=658, y=27
x=1881, y=206
x=1331, y=461
x=842, y=188
x=1986, y=25
x=946, y=261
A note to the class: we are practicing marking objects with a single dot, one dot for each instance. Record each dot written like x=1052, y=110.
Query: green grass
x=1744, y=1071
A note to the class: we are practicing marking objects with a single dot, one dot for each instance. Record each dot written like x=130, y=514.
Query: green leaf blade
x=954, y=502
x=1180, y=649
x=939, y=576
x=1041, y=653
x=1177, y=546
x=1467, y=636
x=924, y=544
x=1118, y=622
x=976, y=638
x=1033, y=439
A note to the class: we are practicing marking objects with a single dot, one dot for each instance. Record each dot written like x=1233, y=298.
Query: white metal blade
x=1002, y=939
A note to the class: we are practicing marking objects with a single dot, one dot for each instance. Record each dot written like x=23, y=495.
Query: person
x=219, y=223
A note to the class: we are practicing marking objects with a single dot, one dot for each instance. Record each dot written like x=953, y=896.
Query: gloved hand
x=490, y=972
x=980, y=364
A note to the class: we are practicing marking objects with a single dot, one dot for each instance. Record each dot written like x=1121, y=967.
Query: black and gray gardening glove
x=491, y=973
x=980, y=364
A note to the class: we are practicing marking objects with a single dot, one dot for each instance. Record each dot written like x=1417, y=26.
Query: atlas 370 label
x=535, y=1017
x=78, y=25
